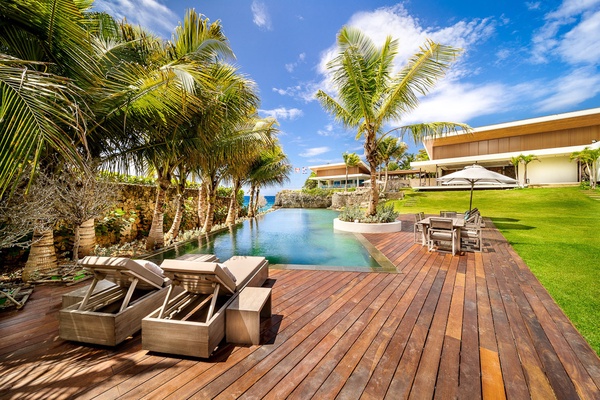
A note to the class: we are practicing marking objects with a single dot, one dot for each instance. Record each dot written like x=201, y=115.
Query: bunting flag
x=297, y=170
x=304, y=170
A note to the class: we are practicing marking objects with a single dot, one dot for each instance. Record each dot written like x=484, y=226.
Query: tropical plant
x=310, y=183
x=588, y=157
x=515, y=161
x=370, y=95
x=350, y=160
x=525, y=160
x=389, y=148
x=271, y=168
x=405, y=160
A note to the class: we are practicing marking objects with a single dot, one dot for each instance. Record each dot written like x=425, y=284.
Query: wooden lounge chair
x=192, y=323
x=442, y=230
x=114, y=313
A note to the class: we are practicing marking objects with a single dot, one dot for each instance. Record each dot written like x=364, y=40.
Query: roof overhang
x=334, y=177
x=496, y=159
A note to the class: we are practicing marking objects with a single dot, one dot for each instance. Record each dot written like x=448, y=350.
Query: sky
x=519, y=59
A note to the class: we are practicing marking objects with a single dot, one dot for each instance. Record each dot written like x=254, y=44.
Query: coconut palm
x=272, y=168
x=515, y=161
x=350, y=160
x=525, y=160
x=389, y=148
x=589, y=158
x=238, y=171
x=370, y=95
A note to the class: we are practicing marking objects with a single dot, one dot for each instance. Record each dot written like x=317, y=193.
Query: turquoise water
x=270, y=201
x=287, y=236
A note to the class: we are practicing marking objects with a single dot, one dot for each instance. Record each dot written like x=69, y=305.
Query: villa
x=551, y=139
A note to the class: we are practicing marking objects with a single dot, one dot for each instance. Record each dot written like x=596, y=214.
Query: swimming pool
x=290, y=238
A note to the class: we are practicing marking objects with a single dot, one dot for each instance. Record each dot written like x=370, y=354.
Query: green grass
x=556, y=231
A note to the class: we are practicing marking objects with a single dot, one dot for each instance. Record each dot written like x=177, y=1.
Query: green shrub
x=385, y=213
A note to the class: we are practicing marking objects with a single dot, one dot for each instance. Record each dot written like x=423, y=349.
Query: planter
x=359, y=227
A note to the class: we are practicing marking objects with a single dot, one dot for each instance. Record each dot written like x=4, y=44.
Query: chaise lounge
x=192, y=323
x=112, y=314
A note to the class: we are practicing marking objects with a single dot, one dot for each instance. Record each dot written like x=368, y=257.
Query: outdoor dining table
x=458, y=223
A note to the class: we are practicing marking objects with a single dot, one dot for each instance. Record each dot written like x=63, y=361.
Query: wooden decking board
x=380, y=379
x=283, y=377
x=345, y=333
x=470, y=325
x=347, y=351
x=557, y=376
x=512, y=371
x=351, y=375
x=406, y=369
x=430, y=360
x=306, y=338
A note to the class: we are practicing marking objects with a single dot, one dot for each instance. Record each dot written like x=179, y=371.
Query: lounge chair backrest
x=440, y=223
x=198, y=276
x=123, y=271
x=244, y=268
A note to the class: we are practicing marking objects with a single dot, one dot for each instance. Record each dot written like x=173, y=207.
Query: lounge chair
x=111, y=315
x=192, y=323
x=442, y=230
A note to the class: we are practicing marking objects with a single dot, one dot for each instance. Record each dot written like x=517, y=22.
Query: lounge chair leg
x=87, y=296
x=213, y=303
x=164, y=306
x=129, y=294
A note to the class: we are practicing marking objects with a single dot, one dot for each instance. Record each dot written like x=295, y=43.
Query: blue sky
x=521, y=59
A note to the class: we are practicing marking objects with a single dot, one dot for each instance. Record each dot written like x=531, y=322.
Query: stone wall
x=360, y=198
x=299, y=199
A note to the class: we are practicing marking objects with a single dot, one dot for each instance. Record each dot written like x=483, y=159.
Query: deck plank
x=473, y=325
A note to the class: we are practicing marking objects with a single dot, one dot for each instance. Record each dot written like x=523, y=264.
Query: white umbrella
x=475, y=174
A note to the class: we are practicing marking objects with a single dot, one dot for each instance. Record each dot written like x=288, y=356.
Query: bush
x=318, y=192
x=385, y=213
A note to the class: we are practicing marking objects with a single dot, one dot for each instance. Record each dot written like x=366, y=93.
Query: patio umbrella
x=475, y=174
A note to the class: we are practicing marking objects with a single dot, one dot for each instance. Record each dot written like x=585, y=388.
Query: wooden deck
x=475, y=325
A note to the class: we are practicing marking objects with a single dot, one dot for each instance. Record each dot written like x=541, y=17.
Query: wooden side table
x=242, y=324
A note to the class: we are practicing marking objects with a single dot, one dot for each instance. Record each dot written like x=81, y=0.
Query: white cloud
x=533, y=5
x=260, y=15
x=150, y=14
x=580, y=44
x=283, y=113
x=314, y=151
x=306, y=91
x=570, y=90
x=292, y=66
x=581, y=21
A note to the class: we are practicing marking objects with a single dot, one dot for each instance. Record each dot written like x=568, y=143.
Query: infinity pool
x=291, y=238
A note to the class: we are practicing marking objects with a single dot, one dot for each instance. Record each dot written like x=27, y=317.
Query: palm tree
x=523, y=159
x=371, y=96
x=515, y=161
x=589, y=157
x=240, y=168
x=389, y=148
x=272, y=168
x=350, y=160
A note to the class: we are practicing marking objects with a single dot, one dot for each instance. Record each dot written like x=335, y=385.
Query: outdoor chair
x=191, y=321
x=448, y=214
x=112, y=314
x=442, y=230
x=418, y=228
x=471, y=236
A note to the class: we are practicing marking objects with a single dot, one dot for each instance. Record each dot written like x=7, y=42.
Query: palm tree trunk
x=233, y=205
x=174, y=230
x=156, y=237
x=202, y=193
x=251, y=202
x=370, y=154
x=85, y=239
x=255, y=211
x=42, y=255
x=211, y=202
x=385, y=183
x=346, y=183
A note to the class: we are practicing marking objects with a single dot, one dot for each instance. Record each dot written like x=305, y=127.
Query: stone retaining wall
x=299, y=199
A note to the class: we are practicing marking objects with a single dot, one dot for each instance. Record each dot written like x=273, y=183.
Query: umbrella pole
x=471, y=199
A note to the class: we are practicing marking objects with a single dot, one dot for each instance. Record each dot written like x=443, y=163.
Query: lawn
x=554, y=230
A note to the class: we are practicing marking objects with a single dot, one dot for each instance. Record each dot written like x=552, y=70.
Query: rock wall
x=357, y=198
x=299, y=199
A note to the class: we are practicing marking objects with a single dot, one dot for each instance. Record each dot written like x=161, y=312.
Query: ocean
x=270, y=201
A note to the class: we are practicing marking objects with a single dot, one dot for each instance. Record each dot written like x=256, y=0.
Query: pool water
x=288, y=237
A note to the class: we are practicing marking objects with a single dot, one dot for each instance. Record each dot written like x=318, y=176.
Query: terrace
x=472, y=325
